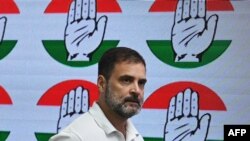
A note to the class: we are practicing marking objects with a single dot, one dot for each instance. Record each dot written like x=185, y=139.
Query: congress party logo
x=184, y=100
x=6, y=7
x=84, y=33
x=4, y=100
x=74, y=97
x=193, y=43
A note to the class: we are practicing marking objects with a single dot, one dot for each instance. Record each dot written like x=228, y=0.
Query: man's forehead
x=128, y=65
x=129, y=62
x=130, y=69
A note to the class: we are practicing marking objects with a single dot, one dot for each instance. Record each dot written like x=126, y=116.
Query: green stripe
x=163, y=50
x=58, y=51
x=43, y=136
x=46, y=136
x=5, y=47
x=153, y=139
x=4, y=135
x=161, y=139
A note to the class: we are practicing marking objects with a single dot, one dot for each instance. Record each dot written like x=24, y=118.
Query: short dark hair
x=117, y=55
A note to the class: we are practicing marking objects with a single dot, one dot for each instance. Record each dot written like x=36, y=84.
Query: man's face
x=125, y=88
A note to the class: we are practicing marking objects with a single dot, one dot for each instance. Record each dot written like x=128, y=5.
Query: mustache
x=133, y=99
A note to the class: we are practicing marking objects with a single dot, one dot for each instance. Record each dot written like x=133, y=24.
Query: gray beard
x=118, y=106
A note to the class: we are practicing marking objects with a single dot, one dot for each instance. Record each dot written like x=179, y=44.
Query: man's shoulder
x=81, y=122
x=72, y=132
x=85, y=128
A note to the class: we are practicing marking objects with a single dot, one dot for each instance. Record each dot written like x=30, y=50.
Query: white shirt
x=94, y=126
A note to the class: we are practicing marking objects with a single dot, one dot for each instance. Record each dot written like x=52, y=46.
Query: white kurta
x=94, y=126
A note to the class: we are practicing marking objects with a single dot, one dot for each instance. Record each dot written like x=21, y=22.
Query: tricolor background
x=34, y=75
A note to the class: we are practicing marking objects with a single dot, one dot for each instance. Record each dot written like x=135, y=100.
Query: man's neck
x=120, y=123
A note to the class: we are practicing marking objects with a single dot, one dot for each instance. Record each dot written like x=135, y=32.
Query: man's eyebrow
x=127, y=76
x=144, y=80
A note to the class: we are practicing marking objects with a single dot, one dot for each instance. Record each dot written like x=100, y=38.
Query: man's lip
x=133, y=102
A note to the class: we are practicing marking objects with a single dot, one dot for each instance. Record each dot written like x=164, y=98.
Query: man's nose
x=135, y=88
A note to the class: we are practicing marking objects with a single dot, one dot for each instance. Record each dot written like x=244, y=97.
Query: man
x=121, y=80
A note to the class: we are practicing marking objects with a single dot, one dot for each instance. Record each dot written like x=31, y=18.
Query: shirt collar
x=102, y=121
x=97, y=113
x=131, y=131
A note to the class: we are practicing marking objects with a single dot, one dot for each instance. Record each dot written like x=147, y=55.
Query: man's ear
x=101, y=83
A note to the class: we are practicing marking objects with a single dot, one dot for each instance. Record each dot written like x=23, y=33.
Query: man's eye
x=142, y=84
x=126, y=81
